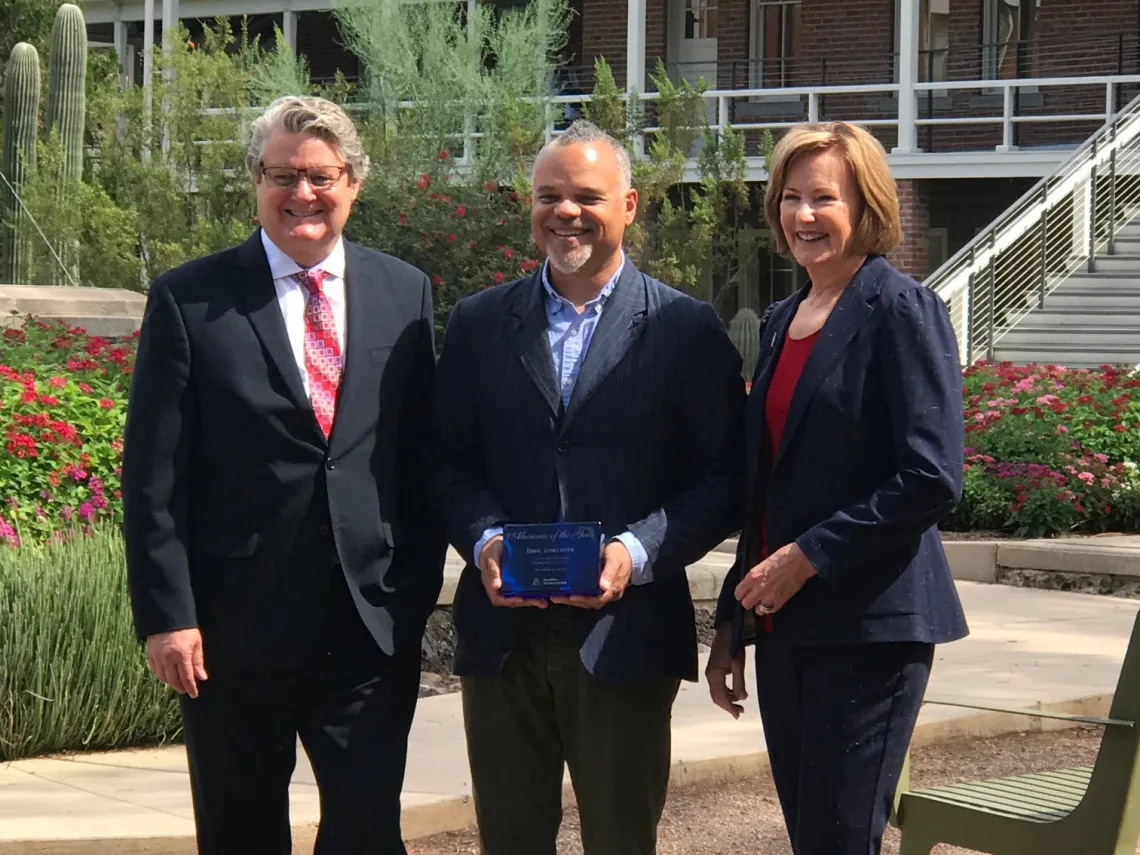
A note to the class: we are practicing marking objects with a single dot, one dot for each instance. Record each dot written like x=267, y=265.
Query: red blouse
x=793, y=356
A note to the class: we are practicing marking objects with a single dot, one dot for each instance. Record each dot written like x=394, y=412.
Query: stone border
x=456, y=814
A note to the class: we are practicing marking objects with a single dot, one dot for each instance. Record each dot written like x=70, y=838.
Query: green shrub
x=72, y=677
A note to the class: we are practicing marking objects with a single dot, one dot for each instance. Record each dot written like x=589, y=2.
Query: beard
x=572, y=261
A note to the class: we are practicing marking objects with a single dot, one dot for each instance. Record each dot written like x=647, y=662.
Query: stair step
x=1081, y=316
x=1093, y=301
x=1089, y=339
x=1066, y=357
x=1118, y=282
x=1119, y=262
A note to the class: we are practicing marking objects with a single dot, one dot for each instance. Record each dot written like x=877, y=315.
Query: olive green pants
x=545, y=712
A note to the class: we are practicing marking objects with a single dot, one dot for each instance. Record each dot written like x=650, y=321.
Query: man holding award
x=591, y=428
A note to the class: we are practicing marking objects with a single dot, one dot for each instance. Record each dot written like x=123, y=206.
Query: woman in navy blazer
x=855, y=442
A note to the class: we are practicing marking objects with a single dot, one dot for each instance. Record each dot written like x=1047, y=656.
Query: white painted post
x=289, y=29
x=635, y=60
x=148, y=69
x=169, y=18
x=1109, y=101
x=120, y=39
x=908, y=77
x=813, y=106
x=1006, y=119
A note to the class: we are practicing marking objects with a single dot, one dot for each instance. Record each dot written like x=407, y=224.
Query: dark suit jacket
x=869, y=461
x=650, y=443
x=237, y=511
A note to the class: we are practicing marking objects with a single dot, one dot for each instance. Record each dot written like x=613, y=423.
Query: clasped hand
x=617, y=569
x=775, y=580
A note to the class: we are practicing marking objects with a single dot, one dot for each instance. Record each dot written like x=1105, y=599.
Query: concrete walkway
x=1027, y=647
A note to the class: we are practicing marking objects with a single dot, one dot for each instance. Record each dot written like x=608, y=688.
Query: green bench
x=1085, y=810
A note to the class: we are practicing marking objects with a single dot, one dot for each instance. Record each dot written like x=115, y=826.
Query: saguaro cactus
x=744, y=330
x=21, y=120
x=67, y=76
x=66, y=108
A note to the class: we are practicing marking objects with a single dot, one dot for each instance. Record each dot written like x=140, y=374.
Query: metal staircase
x=1056, y=278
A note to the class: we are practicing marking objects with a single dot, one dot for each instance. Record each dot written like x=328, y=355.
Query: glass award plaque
x=551, y=559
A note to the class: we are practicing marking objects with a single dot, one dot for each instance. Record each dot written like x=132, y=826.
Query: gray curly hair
x=317, y=117
x=583, y=131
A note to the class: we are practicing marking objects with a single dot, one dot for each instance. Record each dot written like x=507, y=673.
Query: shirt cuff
x=494, y=531
x=642, y=569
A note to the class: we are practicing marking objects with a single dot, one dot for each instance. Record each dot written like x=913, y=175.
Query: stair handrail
x=952, y=277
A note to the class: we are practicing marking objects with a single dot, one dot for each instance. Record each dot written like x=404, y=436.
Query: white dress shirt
x=291, y=296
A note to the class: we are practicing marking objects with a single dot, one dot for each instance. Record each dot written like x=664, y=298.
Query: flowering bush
x=62, y=406
x=464, y=236
x=1049, y=449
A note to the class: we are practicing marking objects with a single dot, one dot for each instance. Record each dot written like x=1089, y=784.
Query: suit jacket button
x=329, y=465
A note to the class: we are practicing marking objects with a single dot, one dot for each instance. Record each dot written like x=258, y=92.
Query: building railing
x=1056, y=229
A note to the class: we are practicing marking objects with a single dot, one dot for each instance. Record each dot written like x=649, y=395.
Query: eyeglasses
x=319, y=177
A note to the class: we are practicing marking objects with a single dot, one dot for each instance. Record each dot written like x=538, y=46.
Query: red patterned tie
x=323, y=361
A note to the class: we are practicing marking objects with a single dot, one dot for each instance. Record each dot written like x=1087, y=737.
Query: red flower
x=106, y=403
x=423, y=182
x=14, y=333
x=83, y=387
x=444, y=155
x=1120, y=428
x=451, y=238
x=508, y=252
x=499, y=277
x=472, y=245
x=490, y=186
x=437, y=280
x=460, y=211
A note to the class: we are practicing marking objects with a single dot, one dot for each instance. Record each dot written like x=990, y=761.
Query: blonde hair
x=879, y=229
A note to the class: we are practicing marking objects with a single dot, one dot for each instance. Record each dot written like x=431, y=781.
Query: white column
x=289, y=29
x=169, y=17
x=908, y=76
x=120, y=39
x=148, y=44
x=635, y=57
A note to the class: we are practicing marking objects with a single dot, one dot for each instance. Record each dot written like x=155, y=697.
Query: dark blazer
x=651, y=443
x=869, y=461
x=237, y=511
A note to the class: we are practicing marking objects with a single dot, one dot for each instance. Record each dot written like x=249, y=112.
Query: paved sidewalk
x=1026, y=647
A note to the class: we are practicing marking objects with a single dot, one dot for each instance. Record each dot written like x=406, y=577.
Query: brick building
x=974, y=99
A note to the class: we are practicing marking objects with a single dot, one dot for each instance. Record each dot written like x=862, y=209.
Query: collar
x=600, y=300
x=281, y=266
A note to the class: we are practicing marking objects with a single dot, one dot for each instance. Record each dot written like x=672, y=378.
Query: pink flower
x=1087, y=477
x=57, y=382
x=106, y=403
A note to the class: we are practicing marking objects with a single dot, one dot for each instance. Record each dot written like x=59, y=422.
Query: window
x=933, y=39
x=1008, y=28
x=775, y=42
x=700, y=19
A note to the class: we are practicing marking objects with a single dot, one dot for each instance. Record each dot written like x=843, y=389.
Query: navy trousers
x=837, y=723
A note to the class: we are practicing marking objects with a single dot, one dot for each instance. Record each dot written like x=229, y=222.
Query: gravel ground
x=743, y=818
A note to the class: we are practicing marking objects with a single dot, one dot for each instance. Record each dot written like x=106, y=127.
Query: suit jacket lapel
x=842, y=325
x=363, y=310
x=528, y=314
x=257, y=293
x=620, y=325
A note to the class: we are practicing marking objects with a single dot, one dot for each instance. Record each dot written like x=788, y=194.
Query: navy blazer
x=651, y=442
x=869, y=462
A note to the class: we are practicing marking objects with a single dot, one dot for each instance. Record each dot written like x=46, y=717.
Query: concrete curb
x=458, y=813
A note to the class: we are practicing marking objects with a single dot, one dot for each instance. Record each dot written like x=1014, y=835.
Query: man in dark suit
x=282, y=551
x=586, y=392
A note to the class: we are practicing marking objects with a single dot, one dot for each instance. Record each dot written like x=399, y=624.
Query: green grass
x=72, y=676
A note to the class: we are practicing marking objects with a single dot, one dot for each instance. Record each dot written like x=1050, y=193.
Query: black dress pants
x=352, y=707
x=837, y=723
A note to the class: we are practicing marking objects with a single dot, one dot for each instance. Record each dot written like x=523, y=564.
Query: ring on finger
x=764, y=609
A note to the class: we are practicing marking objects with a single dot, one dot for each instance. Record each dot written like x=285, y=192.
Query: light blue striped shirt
x=569, y=332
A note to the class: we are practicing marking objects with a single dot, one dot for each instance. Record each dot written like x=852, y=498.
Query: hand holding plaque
x=617, y=570
x=490, y=562
x=547, y=560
